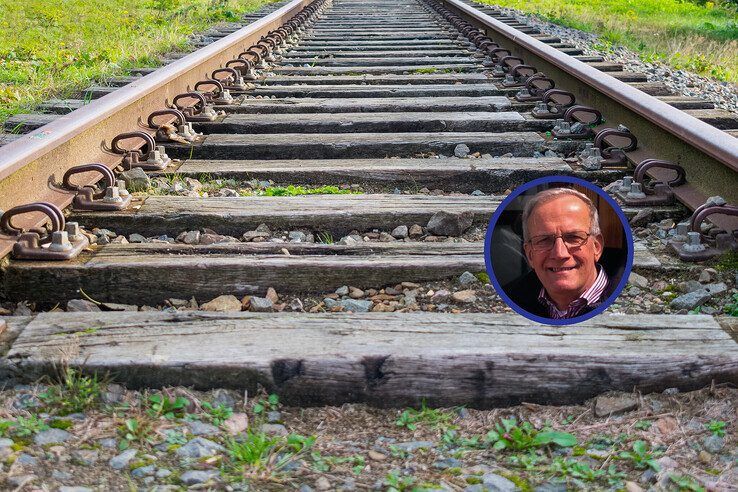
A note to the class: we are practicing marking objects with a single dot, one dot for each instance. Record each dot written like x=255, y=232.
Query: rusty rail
x=27, y=164
x=709, y=155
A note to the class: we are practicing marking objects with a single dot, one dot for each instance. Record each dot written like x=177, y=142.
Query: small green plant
x=686, y=483
x=397, y=483
x=426, y=71
x=29, y=426
x=74, y=392
x=174, y=437
x=5, y=426
x=135, y=430
x=483, y=277
x=260, y=451
x=731, y=308
x=292, y=190
x=717, y=427
x=509, y=435
x=451, y=438
x=161, y=405
x=528, y=461
x=398, y=452
x=643, y=425
x=263, y=406
x=325, y=237
x=217, y=414
x=62, y=424
x=410, y=417
x=641, y=457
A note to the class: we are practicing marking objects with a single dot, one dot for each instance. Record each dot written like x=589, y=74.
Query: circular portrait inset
x=559, y=250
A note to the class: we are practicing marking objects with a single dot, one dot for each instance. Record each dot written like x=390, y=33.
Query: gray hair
x=547, y=195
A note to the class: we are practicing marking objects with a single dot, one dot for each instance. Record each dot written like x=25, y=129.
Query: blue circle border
x=488, y=246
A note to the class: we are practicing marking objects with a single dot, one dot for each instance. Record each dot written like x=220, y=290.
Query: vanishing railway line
x=391, y=97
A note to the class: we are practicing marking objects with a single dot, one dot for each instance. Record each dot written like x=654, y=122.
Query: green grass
x=53, y=48
x=699, y=36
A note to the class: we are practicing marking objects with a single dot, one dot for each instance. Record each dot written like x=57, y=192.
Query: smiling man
x=563, y=244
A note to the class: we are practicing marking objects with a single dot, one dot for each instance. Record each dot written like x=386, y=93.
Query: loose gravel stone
x=225, y=303
x=464, y=296
x=461, y=150
x=691, y=300
x=121, y=461
x=450, y=224
x=136, y=179
x=638, y=280
x=614, y=405
x=143, y=471
x=223, y=397
x=274, y=429
x=713, y=444
x=411, y=446
x=400, y=232
x=74, y=488
x=198, y=428
x=497, y=483
x=468, y=278
x=51, y=436
x=193, y=477
x=199, y=448
x=60, y=475
x=261, y=305
x=85, y=457
x=136, y=238
x=26, y=460
x=81, y=306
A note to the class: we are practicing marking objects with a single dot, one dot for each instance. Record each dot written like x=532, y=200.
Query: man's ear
x=599, y=246
x=528, y=254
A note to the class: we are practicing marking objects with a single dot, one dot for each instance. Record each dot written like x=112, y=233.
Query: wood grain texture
x=357, y=145
x=369, y=79
x=115, y=273
x=459, y=121
x=355, y=100
x=386, y=360
x=395, y=69
x=392, y=91
x=337, y=214
x=450, y=174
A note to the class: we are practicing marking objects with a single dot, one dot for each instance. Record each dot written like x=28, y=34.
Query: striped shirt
x=589, y=298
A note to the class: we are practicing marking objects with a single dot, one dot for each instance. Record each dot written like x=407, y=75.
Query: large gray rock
x=51, y=436
x=411, y=446
x=461, y=150
x=450, y=224
x=136, y=179
x=199, y=447
x=638, y=280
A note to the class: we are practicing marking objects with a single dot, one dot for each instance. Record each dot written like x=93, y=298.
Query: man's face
x=564, y=272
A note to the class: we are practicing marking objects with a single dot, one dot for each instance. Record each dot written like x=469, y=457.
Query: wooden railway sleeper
x=180, y=130
x=113, y=196
x=63, y=241
x=155, y=157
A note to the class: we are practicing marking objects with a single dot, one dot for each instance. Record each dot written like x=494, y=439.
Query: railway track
x=407, y=110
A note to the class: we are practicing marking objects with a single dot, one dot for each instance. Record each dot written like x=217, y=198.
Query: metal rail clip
x=233, y=82
x=113, y=197
x=577, y=123
x=608, y=149
x=155, y=157
x=519, y=75
x=181, y=131
x=63, y=241
x=690, y=244
x=553, y=104
x=219, y=95
x=636, y=191
x=199, y=111
x=535, y=87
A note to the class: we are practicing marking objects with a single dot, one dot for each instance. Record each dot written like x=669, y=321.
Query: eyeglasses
x=572, y=240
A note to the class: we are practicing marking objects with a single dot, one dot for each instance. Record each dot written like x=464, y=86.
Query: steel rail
x=709, y=155
x=28, y=164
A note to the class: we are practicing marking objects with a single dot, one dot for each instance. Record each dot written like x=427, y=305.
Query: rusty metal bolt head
x=636, y=192
x=112, y=195
x=60, y=241
x=122, y=191
x=694, y=243
x=73, y=231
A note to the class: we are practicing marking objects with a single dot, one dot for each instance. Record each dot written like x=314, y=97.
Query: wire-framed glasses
x=572, y=240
